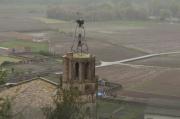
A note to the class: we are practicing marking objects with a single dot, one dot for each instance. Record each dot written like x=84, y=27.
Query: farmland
x=153, y=80
x=36, y=47
x=171, y=61
x=27, y=25
x=114, y=41
x=49, y=21
x=9, y=59
x=120, y=110
x=109, y=41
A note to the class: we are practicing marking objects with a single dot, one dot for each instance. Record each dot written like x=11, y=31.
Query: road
x=104, y=64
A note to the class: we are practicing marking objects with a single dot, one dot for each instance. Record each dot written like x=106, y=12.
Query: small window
x=88, y=88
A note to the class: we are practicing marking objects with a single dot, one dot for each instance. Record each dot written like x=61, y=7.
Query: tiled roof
x=30, y=96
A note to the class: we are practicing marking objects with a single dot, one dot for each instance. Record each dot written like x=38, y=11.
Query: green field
x=36, y=47
x=124, y=23
x=120, y=110
x=107, y=107
x=50, y=21
x=10, y=59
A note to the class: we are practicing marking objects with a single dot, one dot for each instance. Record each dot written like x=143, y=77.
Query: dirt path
x=104, y=64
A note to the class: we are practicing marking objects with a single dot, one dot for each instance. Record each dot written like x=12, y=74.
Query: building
x=79, y=74
x=29, y=97
x=79, y=67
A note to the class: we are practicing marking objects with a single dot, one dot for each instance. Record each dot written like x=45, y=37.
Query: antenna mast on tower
x=79, y=43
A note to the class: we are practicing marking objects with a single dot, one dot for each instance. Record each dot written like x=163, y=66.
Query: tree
x=174, y=8
x=67, y=106
x=164, y=13
x=5, y=108
x=3, y=74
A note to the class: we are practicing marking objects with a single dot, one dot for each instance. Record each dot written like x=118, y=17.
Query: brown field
x=20, y=23
x=105, y=51
x=166, y=83
x=116, y=41
x=113, y=41
x=109, y=41
x=171, y=61
x=20, y=18
x=148, y=37
x=154, y=80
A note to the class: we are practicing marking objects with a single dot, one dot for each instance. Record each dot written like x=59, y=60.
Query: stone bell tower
x=79, y=67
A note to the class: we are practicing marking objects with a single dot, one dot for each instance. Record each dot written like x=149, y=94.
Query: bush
x=45, y=53
x=67, y=106
x=3, y=75
x=6, y=63
x=5, y=109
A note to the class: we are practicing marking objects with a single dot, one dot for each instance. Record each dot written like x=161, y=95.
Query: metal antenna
x=79, y=43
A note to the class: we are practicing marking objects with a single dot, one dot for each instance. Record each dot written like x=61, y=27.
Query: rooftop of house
x=30, y=96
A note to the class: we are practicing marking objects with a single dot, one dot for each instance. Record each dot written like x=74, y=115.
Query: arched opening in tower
x=77, y=70
x=86, y=70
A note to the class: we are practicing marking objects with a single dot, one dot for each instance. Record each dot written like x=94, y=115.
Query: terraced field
x=36, y=47
x=10, y=59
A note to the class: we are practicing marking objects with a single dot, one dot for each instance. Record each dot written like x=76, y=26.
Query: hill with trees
x=116, y=10
x=101, y=10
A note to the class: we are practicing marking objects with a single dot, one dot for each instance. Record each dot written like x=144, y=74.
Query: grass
x=133, y=23
x=59, y=61
x=133, y=111
x=107, y=107
x=36, y=47
x=53, y=77
x=10, y=59
x=50, y=21
x=123, y=23
x=127, y=111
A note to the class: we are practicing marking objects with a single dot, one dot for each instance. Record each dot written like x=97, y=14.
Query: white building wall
x=149, y=116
